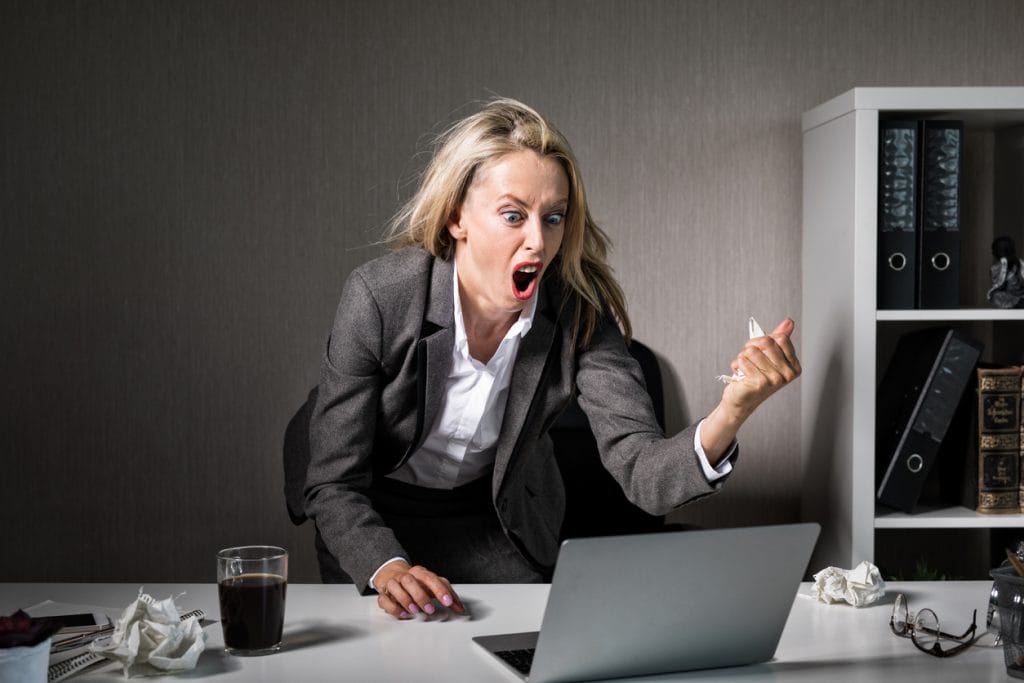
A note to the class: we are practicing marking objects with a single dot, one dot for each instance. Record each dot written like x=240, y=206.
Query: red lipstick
x=525, y=277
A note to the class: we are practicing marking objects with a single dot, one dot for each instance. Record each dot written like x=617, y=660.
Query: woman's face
x=508, y=229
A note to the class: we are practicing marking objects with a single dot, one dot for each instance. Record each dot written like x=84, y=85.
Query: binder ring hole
x=897, y=261
x=915, y=462
x=941, y=261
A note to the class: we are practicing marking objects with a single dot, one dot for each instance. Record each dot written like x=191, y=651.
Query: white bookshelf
x=843, y=332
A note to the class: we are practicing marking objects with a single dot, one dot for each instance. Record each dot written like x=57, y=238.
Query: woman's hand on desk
x=404, y=590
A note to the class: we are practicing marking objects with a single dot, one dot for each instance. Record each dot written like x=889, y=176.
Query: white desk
x=333, y=634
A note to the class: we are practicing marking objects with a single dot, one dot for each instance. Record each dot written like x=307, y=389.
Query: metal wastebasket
x=1010, y=601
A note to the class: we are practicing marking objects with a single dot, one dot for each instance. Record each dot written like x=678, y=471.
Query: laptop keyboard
x=521, y=660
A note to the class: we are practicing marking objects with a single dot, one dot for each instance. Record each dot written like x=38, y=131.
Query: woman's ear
x=455, y=228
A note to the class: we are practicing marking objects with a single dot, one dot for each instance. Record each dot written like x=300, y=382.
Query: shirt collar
x=519, y=328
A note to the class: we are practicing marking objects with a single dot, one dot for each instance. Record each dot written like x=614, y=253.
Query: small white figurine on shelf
x=1007, y=275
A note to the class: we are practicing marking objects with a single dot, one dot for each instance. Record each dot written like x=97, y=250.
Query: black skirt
x=454, y=533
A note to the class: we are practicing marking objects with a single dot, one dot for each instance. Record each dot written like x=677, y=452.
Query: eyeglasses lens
x=926, y=628
x=899, y=614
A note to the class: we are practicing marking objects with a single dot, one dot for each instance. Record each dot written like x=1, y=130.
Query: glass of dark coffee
x=251, y=583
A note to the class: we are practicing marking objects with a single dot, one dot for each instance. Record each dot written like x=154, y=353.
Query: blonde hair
x=501, y=127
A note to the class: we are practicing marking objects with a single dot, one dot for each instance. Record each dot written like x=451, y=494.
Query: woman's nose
x=534, y=236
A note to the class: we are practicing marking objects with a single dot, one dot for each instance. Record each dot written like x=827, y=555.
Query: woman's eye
x=512, y=216
x=555, y=218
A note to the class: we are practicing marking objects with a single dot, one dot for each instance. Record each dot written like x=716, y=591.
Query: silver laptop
x=655, y=603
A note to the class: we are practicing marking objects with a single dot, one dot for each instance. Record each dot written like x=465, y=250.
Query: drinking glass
x=251, y=583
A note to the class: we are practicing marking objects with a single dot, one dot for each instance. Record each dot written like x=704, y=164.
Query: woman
x=452, y=356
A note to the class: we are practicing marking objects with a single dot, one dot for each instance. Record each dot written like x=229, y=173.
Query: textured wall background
x=185, y=185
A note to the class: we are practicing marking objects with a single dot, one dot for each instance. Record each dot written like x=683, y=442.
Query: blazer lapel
x=526, y=378
x=433, y=352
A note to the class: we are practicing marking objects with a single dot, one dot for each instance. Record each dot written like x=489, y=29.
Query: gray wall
x=185, y=186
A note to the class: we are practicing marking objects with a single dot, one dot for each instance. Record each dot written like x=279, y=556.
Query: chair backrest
x=595, y=502
x=296, y=459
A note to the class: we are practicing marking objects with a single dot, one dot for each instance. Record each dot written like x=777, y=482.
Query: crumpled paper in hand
x=859, y=586
x=753, y=330
x=150, y=638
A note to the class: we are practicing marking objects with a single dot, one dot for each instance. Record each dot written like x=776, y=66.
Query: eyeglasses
x=923, y=630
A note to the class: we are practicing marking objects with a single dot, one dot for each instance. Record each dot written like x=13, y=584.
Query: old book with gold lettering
x=999, y=439
x=1020, y=461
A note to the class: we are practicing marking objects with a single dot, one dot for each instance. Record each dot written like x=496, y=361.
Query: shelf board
x=993, y=106
x=945, y=518
x=951, y=314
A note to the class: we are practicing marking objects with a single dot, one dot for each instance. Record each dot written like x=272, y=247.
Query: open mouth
x=524, y=280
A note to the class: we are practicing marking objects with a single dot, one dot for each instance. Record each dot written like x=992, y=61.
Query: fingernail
x=413, y=608
x=428, y=608
x=447, y=600
x=404, y=615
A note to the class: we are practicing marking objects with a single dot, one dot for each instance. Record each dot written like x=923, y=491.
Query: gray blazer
x=381, y=383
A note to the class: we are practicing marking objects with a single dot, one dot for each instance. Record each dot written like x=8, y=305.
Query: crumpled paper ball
x=753, y=330
x=150, y=638
x=859, y=586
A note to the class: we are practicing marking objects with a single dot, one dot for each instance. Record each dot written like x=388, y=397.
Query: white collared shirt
x=461, y=444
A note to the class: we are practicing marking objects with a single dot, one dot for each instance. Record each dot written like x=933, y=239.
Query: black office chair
x=595, y=503
x=296, y=462
x=296, y=459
